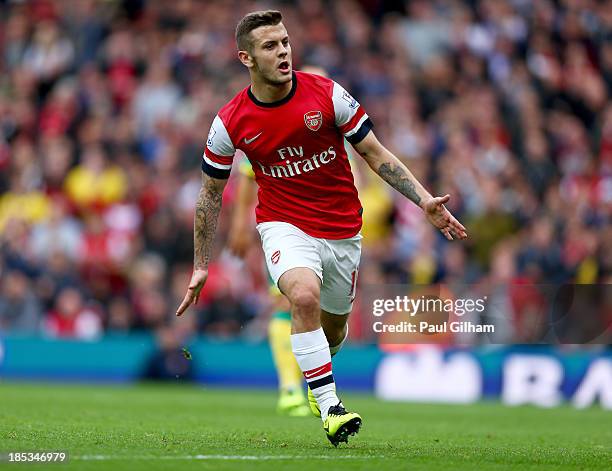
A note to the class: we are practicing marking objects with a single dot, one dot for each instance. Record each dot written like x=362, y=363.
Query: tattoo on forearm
x=398, y=178
x=207, y=212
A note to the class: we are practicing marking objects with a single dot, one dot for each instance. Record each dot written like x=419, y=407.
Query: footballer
x=291, y=126
x=291, y=400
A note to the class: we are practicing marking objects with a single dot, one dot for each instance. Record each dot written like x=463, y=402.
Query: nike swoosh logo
x=248, y=141
x=314, y=373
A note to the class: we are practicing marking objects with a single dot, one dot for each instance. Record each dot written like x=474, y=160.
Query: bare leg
x=302, y=287
x=334, y=326
x=308, y=341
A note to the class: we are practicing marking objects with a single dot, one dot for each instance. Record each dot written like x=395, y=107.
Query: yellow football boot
x=292, y=403
x=312, y=402
x=340, y=424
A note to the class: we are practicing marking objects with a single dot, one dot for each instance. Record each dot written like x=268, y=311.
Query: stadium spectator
x=20, y=310
x=71, y=317
x=103, y=107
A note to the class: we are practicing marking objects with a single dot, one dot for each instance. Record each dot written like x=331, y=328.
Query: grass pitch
x=156, y=427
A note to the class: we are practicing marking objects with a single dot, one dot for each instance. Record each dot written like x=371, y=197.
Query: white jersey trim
x=345, y=106
x=218, y=141
x=357, y=126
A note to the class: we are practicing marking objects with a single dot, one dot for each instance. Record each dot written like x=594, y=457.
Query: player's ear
x=246, y=58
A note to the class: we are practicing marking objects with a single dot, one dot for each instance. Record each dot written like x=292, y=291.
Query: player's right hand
x=193, y=292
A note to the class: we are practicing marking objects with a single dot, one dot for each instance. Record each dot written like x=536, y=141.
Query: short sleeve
x=219, y=153
x=351, y=118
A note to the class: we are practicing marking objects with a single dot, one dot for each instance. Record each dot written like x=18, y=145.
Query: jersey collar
x=282, y=101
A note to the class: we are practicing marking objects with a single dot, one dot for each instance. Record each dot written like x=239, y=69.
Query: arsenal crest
x=313, y=120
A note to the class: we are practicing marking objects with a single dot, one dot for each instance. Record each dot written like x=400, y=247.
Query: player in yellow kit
x=291, y=399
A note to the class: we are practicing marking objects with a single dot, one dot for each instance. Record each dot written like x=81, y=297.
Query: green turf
x=158, y=427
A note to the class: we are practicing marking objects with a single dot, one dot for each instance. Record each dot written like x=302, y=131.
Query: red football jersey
x=296, y=148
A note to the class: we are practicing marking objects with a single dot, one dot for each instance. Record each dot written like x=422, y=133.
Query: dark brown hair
x=252, y=21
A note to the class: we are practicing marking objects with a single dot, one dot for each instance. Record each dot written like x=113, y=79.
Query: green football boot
x=292, y=403
x=312, y=402
x=340, y=424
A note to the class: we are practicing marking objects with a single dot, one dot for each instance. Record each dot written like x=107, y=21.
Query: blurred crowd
x=105, y=106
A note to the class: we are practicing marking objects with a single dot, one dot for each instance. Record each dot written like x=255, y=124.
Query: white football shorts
x=336, y=262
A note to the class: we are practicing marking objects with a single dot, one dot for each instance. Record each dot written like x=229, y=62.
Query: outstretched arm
x=396, y=174
x=207, y=212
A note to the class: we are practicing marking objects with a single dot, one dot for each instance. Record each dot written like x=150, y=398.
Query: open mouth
x=284, y=67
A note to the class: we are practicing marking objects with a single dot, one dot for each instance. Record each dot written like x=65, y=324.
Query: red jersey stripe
x=353, y=123
x=219, y=159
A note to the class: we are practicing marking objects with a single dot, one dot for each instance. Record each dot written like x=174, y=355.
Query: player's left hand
x=441, y=217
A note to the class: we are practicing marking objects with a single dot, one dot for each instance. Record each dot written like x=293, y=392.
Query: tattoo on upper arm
x=207, y=212
x=397, y=177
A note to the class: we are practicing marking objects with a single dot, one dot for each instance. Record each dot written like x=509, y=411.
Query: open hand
x=193, y=292
x=441, y=217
